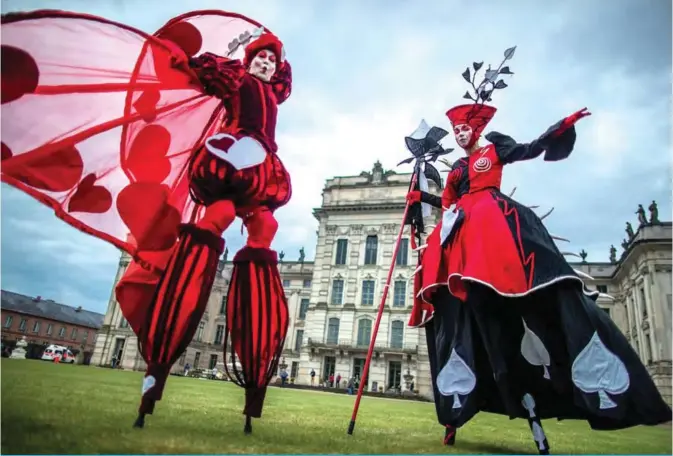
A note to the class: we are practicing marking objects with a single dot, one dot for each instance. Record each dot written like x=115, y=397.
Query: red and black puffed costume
x=513, y=329
x=155, y=146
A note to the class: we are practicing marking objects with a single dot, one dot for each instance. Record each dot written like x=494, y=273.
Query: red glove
x=572, y=120
x=414, y=197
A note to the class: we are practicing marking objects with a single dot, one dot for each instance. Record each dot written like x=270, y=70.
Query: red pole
x=365, y=370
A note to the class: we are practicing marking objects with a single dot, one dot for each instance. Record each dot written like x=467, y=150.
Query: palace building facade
x=334, y=299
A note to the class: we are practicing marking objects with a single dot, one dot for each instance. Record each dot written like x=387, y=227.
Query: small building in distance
x=44, y=322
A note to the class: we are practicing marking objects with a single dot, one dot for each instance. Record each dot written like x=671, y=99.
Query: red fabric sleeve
x=220, y=76
x=282, y=82
x=449, y=195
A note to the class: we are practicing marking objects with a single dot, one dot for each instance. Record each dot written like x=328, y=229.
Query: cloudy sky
x=366, y=72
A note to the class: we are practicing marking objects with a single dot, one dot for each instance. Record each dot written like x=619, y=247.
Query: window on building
x=400, y=293
x=197, y=359
x=50, y=329
x=397, y=334
x=394, y=374
x=219, y=335
x=602, y=288
x=337, y=292
x=641, y=290
x=333, y=331
x=368, y=292
x=606, y=310
x=73, y=334
x=182, y=358
x=85, y=336
x=341, y=251
x=303, y=308
x=212, y=362
x=8, y=321
x=371, y=249
x=402, y=253
x=223, y=305
x=61, y=332
x=294, y=370
x=286, y=283
x=307, y=283
x=123, y=323
x=364, y=332
x=299, y=340
x=200, y=330
x=22, y=325
x=36, y=327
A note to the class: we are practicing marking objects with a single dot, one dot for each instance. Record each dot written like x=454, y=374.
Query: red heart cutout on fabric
x=221, y=142
x=20, y=74
x=58, y=171
x=169, y=73
x=185, y=35
x=6, y=152
x=91, y=198
x=152, y=220
x=147, y=161
x=146, y=104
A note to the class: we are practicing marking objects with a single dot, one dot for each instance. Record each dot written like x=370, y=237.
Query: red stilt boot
x=257, y=321
x=176, y=309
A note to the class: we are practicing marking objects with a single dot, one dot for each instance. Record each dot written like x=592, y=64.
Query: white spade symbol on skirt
x=533, y=350
x=456, y=378
x=597, y=370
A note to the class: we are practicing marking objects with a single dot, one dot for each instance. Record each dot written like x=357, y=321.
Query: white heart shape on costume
x=242, y=153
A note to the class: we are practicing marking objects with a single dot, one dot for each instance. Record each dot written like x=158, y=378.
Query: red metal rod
x=372, y=342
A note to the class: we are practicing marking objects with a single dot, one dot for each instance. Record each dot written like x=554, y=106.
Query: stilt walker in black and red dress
x=168, y=137
x=514, y=330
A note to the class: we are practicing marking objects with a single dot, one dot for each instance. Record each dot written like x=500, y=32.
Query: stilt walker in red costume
x=511, y=327
x=169, y=138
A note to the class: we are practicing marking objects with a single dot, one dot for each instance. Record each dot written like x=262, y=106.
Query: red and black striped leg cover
x=257, y=321
x=176, y=309
x=450, y=435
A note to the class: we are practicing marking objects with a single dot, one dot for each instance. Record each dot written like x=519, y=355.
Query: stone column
x=642, y=340
x=652, y=316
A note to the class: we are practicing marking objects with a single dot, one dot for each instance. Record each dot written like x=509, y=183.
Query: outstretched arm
x=220, y=76
x=557, y=142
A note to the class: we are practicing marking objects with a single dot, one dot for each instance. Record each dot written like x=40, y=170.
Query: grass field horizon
x=49, y=408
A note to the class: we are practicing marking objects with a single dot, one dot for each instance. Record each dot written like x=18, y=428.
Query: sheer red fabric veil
x=99, y=121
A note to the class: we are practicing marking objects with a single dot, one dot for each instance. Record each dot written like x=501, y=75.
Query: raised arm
x=282, y=82
x=221, y=77
x=557, y=142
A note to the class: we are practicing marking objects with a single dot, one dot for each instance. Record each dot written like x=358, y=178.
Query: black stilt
x=140, y=421
x=450, y=435
x=248, y=425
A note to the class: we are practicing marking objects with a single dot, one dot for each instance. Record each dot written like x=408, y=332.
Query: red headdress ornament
x=477, y=115
x=266, y=41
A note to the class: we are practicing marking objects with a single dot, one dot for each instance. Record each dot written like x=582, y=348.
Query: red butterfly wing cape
x=99, y=120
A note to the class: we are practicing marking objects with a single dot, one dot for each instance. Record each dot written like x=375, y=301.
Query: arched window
x=397, y=334
x=333, y=331
x=364, y=332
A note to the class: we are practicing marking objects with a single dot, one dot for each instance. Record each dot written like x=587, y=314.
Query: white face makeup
x=463, y=134
x=263, y=65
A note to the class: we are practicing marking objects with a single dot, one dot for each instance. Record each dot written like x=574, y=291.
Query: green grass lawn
x=49, y=408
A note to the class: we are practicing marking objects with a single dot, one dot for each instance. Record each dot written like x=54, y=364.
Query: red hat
x=266, y=41
x=476, y=115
